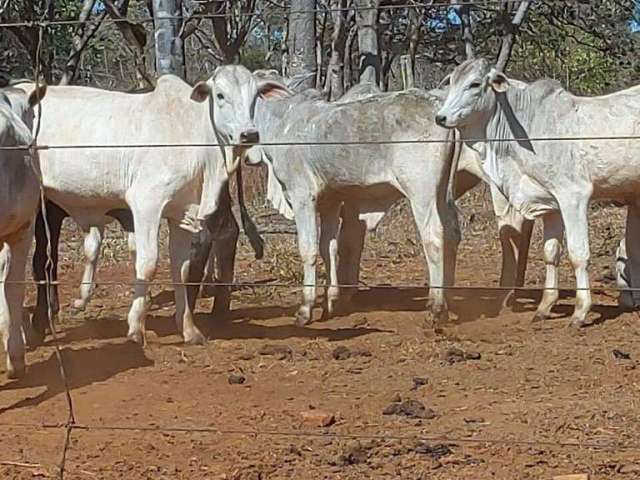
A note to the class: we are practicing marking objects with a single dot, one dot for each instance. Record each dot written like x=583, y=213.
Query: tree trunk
x=169, y=47
x=414, y=37
x=83, y=34
x=366, y=20
x=406, y=68
x=302, y=41
x=467, y=33
x=334, y=84
x=348, y=58
x=136, y=37
x=510, y=35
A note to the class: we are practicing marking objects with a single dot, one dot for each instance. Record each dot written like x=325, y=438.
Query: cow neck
x=212, y=184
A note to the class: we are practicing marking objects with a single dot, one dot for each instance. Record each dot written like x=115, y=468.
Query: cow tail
x=248, y=226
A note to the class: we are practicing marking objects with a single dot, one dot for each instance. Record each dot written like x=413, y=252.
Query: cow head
x=22, y=99
x=471, y=94
x=232, y=92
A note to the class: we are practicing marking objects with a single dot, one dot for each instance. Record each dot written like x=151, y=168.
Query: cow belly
x=372, y=198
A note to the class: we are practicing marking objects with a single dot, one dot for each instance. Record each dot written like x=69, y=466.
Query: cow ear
x=269, y=89
x=498, y=81
x=200, y=92
x=37, y=95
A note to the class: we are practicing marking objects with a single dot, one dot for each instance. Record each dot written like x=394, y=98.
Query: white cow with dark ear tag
x=175, y=183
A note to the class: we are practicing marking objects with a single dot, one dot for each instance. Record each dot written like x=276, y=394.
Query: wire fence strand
x=323, y=143
x=49, y=252
x=326, y=434
x=269, y=284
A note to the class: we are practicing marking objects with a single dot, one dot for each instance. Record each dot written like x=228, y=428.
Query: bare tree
x=302, y=41
x=30, y=35
x=84, y=32
x=511, y=27
x=334, y=84
x=169, y=47
x=366, y=20
x=231, y=23
x=135, y=36
x=467, y=32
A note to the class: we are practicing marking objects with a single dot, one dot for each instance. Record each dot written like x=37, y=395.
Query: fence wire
x=58, y=353
x=327, y=434
x=42, y=23
x=322, y=143
x=289, y=285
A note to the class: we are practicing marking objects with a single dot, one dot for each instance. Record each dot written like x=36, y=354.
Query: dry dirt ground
x=498, y=397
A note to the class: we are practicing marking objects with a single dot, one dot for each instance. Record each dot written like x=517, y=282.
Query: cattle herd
x=334, y=167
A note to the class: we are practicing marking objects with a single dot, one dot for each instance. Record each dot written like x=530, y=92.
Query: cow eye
x=474, y=85
x=220, y=96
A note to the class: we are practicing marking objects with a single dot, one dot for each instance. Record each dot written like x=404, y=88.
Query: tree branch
x=81, y=38
x=510, y=36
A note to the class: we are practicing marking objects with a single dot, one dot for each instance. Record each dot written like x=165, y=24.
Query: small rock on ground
x=342, y=353
x=435, y=451
x=455, y=355
x=318, y=418
x=410, y=409
x=281, y=352
x=237, y=379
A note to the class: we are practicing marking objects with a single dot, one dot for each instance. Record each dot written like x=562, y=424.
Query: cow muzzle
x=441, y=120
x=249, y=136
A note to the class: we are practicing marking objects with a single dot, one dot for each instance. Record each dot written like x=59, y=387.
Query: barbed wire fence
x=71, y=424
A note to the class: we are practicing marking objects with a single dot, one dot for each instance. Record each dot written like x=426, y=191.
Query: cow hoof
x=627, y=304
x=435, y=318
x=539, y=317
x=195, y=338
x=17, y=371
x=78, y=306
x=33, y=337
x=136, y=337
x=579, y=323
x=302, y=319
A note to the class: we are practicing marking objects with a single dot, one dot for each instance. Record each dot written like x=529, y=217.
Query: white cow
x=19, y=197
x=183, y=184
x=552, y=179
x=366, y=179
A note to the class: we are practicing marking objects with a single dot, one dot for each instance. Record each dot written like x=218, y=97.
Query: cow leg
x=225, y=244
x=15, y=258
x=552, y=250
x=125, y=219
x=440, y=246
x=40, y=319
x=201, y=246
x=350, y=246
x=131, y=246
x=92, y=244
x=146, y=225
x=329, y=222
x=305, y=215
x=180, y=250
x=628, y=261
x=574, y=216
x=515, y=238
x=209, y=277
